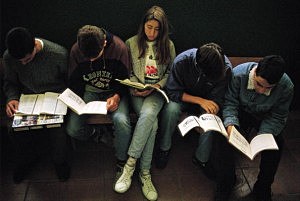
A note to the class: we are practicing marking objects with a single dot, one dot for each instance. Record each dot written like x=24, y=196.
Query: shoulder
x=131, y=40
x=187, y=55
x=286, y=82
x=52, y=47
x=117, y=41
x=243, y=69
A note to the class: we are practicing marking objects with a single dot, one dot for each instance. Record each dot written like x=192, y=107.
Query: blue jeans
x=169, y=120
x=143, y=138
x=77, y=127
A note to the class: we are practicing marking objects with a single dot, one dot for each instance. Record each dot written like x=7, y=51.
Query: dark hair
x=91, y=40
x=20, y=42
x=210, y=59
x=271, y=68
x=162, y=41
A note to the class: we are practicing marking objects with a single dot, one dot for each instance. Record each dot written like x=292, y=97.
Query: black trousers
x=269, y=158
x=29, y=145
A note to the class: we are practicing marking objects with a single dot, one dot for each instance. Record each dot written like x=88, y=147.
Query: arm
x=275, y=121
x=231, y=105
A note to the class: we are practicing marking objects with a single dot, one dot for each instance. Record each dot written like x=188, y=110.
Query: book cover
x=26, y=122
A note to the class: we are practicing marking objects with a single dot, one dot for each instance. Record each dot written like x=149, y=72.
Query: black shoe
x=162, y=159
x=260, y=193
x=206, y=168
x=19, y=174
x=22, y=170
x=62, y=171
x=222, y=192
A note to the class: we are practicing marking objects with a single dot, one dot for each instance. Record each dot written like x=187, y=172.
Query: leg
x=204, y=146
x=147, y=109
x=25, y=154
x=59, y=147
x=76, y=125
x=169, y=118
x=122, y=128
x=268, y=167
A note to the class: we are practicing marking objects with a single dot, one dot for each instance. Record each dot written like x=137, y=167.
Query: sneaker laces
x=126, y=174
x=147, y=182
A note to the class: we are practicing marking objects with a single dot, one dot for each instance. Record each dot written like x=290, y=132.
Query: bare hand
x=229, y=128
x=142, y=93
x=209, y=106
x=12, y=107
x=112, y=103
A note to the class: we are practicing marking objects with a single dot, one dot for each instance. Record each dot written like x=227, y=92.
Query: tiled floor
x=93, y=175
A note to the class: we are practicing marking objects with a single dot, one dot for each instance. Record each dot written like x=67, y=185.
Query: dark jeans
x=30, y=145
x=269, y=158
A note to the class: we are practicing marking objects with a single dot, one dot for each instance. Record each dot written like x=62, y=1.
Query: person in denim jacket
x=259, y=96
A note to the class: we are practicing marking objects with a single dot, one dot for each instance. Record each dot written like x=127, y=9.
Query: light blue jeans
x=77, y=128
x=143, y=138
x=169, y=120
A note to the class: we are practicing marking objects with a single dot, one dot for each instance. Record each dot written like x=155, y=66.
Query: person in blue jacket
x=259, y=96
x=196, y=85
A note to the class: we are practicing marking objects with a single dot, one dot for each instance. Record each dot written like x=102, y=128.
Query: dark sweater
x=99, y=75
x=46, y=72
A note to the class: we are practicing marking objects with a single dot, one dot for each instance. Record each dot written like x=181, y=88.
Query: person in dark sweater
x=196, y=85
x=33, y=66
x=94, y=79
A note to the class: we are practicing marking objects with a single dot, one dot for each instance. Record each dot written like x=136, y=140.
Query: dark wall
x=242, y=28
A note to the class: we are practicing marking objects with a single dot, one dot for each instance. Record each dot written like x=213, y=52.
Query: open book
x=212, y=122
x=36, y=104
x=75, y=103
x=141, y=86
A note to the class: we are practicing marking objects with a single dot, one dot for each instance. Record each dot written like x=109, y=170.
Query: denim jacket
x=272, y=110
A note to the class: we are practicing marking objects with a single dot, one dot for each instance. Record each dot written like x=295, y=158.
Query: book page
x=27, y=103
x=262, y=142
x=212, y=122
x=72, y=100
x=49, y=103
x=187, y=124
x=129, y=83
x=94, y=107
x=240, y=142
x=61, y=108
x=163, y=93
x=38, y=105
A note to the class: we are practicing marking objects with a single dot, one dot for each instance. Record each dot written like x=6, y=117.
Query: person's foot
x=162, y=159
x=62, y=171
x=261, y=193
x=205, y=168
x=22, y=170
x=124, y=181
x=19, y=174
x=148, y=188
x=222, y=192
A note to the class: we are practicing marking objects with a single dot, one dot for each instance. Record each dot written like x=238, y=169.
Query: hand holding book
x=211, y=122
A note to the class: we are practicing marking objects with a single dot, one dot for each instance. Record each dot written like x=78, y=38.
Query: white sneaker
x=148, y=188
x=124, y=182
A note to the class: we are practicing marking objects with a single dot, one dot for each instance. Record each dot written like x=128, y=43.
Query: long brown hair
x=162, y=41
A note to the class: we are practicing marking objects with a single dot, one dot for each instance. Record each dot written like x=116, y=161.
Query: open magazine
x=36, y=104
x=141, y=86
x=75, y=103
x=211, y=122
